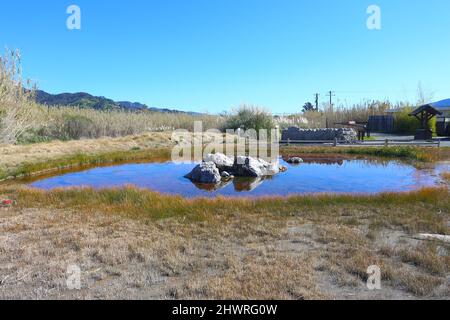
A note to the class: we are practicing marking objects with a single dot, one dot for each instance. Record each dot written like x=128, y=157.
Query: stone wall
x=342, y=134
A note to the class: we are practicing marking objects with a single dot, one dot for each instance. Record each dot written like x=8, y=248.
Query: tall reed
x=18, y=112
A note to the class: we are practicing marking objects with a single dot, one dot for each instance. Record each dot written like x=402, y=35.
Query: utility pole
x=317, y=101
x=331, y=95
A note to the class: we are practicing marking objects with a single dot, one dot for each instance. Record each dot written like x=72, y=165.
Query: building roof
x=441, y=105
x=427, y=108
x=434, y=108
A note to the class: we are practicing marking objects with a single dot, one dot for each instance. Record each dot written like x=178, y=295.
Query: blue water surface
x=343, y=176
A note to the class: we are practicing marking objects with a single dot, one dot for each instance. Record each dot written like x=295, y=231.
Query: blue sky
x=210, y=55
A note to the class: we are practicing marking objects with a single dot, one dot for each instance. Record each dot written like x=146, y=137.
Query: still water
x=318, y=176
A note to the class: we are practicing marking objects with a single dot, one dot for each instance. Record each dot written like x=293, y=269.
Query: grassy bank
x=147, y=205
x=81, y=160
x=421, y=154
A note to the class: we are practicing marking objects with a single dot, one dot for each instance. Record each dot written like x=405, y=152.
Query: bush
x=77, y=126
x=249, y=117
x=33, y=136
x=405, y=124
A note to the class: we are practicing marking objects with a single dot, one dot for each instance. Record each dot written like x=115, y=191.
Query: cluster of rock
x=346, y=135
x=218, y=167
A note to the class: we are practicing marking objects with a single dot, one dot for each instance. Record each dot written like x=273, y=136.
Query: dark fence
x=383, y=124
x=373, y=143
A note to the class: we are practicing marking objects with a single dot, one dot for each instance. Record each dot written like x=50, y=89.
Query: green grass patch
x=401, y=152
x=83, y=160
x=413, y=210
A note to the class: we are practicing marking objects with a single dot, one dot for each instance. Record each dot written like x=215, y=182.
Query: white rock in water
x=226, y=176
x=206, y=172
x=251, y=167
x=218, y=167
x=221, y=161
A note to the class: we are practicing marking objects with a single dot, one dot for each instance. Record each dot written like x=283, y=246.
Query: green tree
x=249, y=117
x=308, y=107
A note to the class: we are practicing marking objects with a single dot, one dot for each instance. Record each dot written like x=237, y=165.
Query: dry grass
x=68, y=123
x=446, y=176
x=122, y=258
x=143, y=244
x=114, y=254
x=259, y=276
x=427, y=257
x=349, y=252
x=137, y=244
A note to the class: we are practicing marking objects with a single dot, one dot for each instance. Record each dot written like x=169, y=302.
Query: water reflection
x=211, y=187
x=317, y=160
x=239, y=184
x=246, y=185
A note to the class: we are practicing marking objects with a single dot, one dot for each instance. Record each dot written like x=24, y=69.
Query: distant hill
x=85, y=100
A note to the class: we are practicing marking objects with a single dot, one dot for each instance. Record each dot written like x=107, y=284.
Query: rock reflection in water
x=239, y=184
x=245, y=185
x=211, y=187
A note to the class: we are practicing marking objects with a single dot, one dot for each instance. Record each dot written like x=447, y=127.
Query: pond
x=313, y=176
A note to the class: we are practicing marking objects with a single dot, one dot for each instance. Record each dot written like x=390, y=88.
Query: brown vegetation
x=134, y=243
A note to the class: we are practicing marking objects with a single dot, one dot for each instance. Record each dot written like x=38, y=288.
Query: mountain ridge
x=86, y=100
